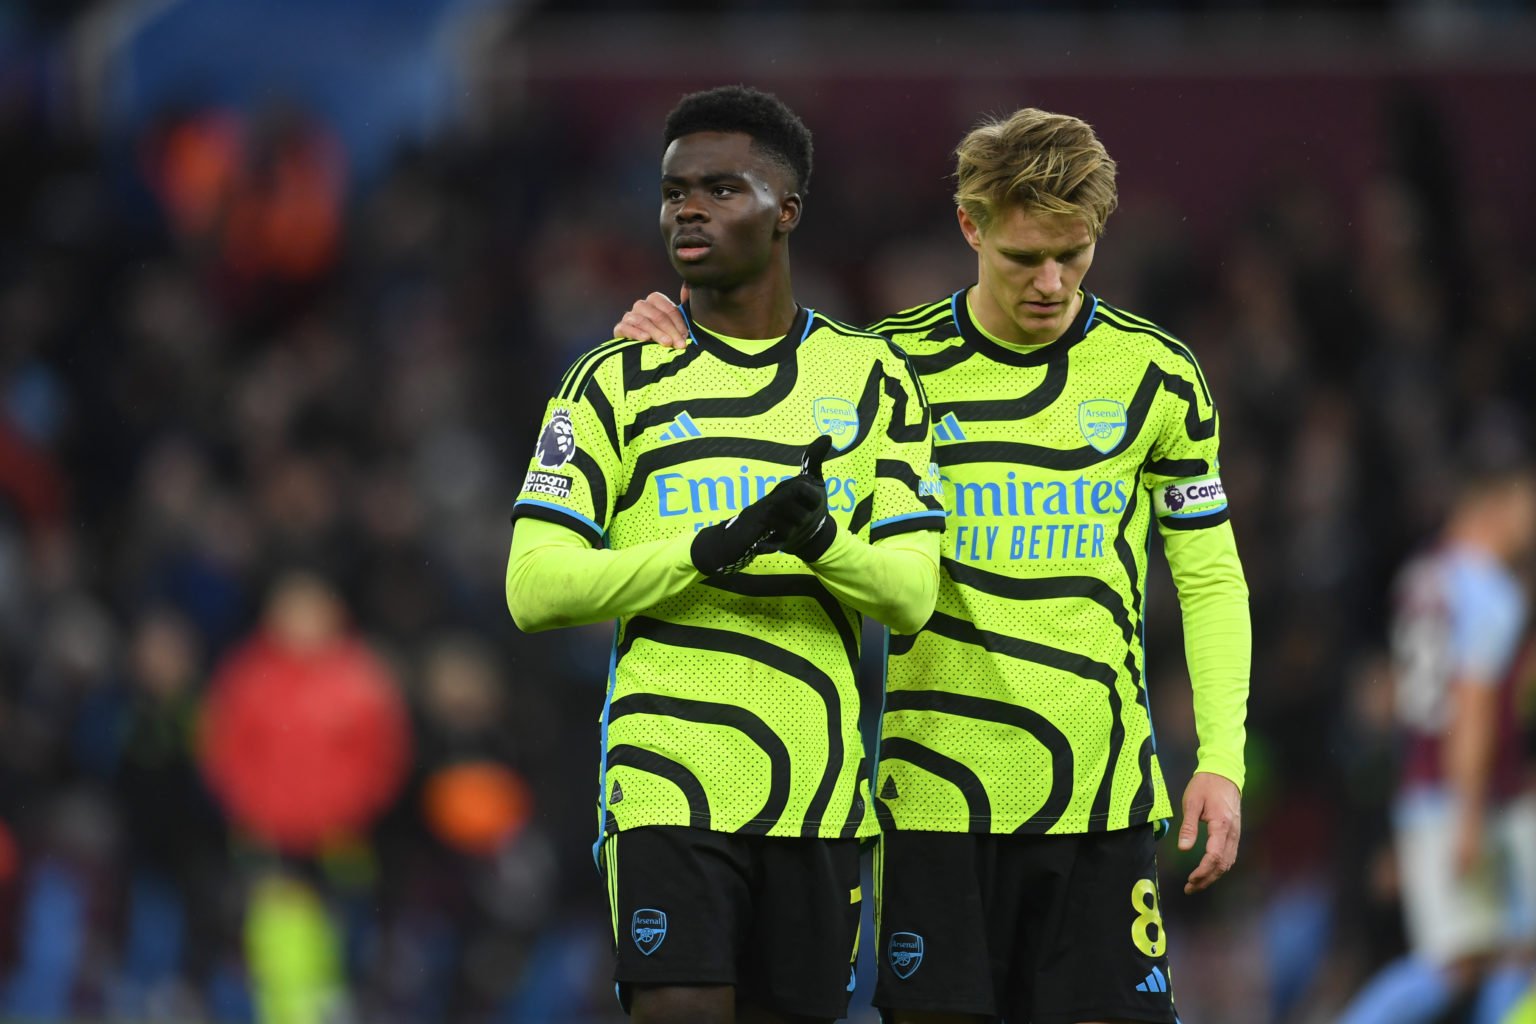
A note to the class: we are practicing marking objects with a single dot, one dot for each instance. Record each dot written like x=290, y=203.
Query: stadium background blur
x=284, y=286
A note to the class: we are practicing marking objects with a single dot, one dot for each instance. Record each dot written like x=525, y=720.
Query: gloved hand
x=798, y=520
x=792, y=517
x=730, y=546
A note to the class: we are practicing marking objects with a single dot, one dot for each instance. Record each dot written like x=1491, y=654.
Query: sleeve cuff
x=1225, y=765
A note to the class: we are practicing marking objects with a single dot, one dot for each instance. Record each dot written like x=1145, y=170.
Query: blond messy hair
x=1047, y=163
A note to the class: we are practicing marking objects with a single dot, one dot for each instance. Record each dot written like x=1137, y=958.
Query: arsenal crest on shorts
x=906, y=953
x=648, y=928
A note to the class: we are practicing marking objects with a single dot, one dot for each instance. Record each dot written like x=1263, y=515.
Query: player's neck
x=1000, y=327
x=764, y=308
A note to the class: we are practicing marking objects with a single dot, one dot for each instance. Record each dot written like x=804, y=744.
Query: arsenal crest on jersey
x=1102, y=421
x=838, y=419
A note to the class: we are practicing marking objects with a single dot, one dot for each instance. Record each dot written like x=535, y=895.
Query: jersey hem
x=864, y=831
x=1135, y=817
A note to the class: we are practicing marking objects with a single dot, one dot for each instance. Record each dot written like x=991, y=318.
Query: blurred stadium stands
x=284, y=286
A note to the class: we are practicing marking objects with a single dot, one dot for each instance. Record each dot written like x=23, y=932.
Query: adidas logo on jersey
x=948, y=429
x=888, y=791
x=682, y=426
x=616, y=795
x=1155, y=982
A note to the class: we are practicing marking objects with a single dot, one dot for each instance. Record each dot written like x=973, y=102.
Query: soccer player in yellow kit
x=676, y=492
x=1018, y=783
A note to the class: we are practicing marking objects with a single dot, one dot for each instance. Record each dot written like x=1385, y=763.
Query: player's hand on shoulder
x=1216, y=801
x=656, y=318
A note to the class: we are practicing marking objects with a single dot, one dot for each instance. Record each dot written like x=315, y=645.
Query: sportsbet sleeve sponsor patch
x=1185, y=499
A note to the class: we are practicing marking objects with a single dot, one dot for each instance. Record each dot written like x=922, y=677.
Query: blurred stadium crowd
x=250, y=394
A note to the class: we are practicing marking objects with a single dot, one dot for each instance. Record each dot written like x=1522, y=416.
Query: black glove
x=798, y=521
x=730, y=546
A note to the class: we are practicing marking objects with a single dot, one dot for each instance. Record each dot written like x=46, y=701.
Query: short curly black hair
x=774, y=128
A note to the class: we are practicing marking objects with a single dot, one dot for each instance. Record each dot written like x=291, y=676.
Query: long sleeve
x=1218, y=641
x=894, y=581
x=554, y=578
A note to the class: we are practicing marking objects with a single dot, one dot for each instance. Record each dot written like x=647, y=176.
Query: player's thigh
x=798, y=958
x=681, y=901
x=682, y=1004
x=937, y=922
x=1097, y=950
x=748, y=1014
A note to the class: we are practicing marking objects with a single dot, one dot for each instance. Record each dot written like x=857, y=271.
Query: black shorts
x=776, y=918
x=1041, y=929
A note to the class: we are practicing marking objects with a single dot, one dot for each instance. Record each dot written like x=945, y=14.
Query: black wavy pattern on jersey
x=737, y=407
x=1063, y=762
x=637, y=377
x=905, y=321
x=1014, y=647
x=1143, y=795
x=891, y=469
x=978, y=805
x=916, y=381
x=796, y=585
x=861, y=513
x=1204, y=522
x=850, y=827
x=938, y=362
x=549, y=515
x=961, y=452
x=1131, y=324
x=1179, y=469
x=577, y=377
x=605, y=415
x=900, y=430
x=1038, y=398
x=868, y=408
x=678, y=452
x=775, y=657
x=596, y=481
x=1100, y=809
x=732, y=716
x=1047, y=588
x=1194, y=426
x=1093, y=589
x=649, y=761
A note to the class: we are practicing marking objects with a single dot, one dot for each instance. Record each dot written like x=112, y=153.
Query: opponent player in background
x=1018, y=782
x=1465, y=817
x=676, y=492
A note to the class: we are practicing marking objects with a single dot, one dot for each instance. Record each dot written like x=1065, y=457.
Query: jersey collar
x=779, y=351
x=974, y=336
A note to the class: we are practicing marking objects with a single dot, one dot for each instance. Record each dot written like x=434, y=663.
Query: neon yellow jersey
x=733, y=705
x=1022, y=705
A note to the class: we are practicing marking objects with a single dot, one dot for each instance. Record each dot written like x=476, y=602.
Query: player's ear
x=968, y=228
x=789, y=212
